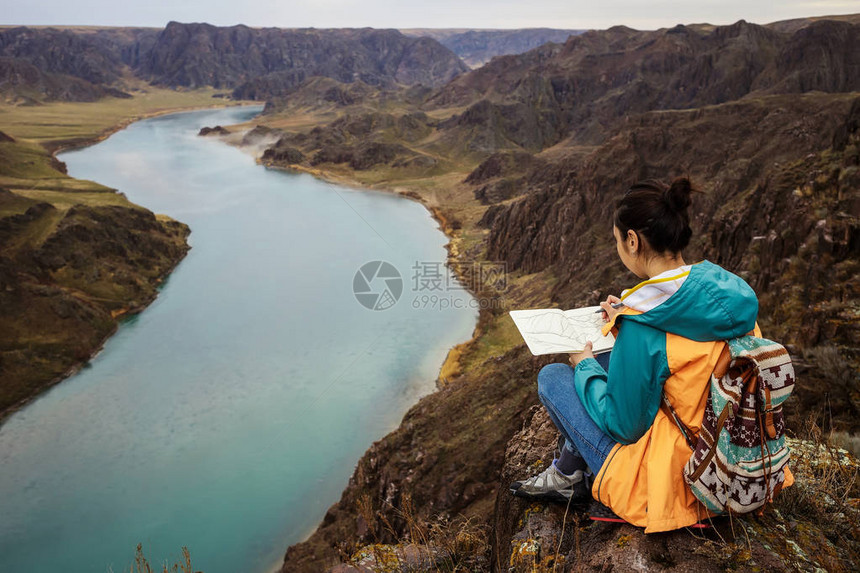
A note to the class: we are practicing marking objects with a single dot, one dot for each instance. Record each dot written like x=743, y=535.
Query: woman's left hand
x=577, y=357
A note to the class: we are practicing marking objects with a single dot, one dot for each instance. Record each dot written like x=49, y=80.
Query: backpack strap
x=725, y=359
x=720, y=369
x=768, y=414
x=685, y=431
x=723, y=362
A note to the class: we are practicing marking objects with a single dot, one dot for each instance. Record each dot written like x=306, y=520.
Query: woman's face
x=627, y=247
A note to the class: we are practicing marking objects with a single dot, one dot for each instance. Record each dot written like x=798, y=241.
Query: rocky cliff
x=777, y=162
x=586, y=88
x=585, y=91
x=261, y=63
x=45, y=64
x=780, y=207
x=65, y=52
x=71, y=264
x=24, y=83
x=51, y=64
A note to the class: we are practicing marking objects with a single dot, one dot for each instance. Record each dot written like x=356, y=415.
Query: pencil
x=616, y=306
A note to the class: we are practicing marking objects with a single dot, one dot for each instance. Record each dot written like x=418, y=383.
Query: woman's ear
x=632, y=242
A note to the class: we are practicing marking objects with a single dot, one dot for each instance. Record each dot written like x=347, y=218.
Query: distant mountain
x=584, y=88
x=261, y=63
x=68, y=64
x=477, y=47
x=586, y=81
x=23, y=82
x=582, y=92
x=798, y=23
x=258, y=63
x=63, y=52
x=51, y=64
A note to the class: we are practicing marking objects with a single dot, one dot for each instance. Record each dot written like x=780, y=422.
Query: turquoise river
x=228, y=416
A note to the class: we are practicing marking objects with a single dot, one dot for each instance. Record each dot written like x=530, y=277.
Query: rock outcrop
x=362, y=141
x=778, y=166
x=65, y=278
x=47, y=64
x=262, y=63
x=434, y=494
x=445, y=459
x=546, y=537
x=779, y=207
x=588, y=87
x=217, y=130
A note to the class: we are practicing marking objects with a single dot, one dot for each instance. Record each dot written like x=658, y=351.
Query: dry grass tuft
x=141, y=564
x=442, y=544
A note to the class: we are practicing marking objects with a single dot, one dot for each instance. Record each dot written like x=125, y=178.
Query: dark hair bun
x=678, y=194
x=659, y=212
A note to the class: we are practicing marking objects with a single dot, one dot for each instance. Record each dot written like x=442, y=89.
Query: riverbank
x=475, y=359
x=60, y=146
x=214, y=375
x=43, y=205
x=456, y=259
x=463, y=248
x=53, y=123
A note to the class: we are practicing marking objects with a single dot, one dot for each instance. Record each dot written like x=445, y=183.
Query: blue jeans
x=557, y=393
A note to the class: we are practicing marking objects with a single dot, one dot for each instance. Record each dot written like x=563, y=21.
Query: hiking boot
x=599, y=512
x=552, y=485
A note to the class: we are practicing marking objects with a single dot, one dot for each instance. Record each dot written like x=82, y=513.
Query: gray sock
x=569, y=461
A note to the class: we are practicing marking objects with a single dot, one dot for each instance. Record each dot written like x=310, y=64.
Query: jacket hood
x=709, y=303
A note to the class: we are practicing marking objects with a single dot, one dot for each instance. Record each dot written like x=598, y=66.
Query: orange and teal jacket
x=669, y=338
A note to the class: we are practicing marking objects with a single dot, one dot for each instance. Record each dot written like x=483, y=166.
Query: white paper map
x=552, y=330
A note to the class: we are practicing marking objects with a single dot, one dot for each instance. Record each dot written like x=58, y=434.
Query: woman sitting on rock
x=670, y=332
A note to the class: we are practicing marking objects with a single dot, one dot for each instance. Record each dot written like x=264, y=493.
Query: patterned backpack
x=739, y=456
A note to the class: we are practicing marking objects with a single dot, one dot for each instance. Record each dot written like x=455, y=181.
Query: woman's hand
x=609, y=313
x=577, y=357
